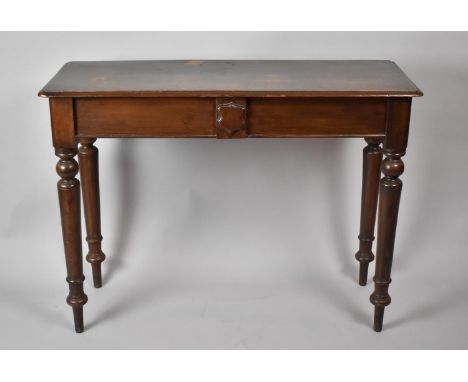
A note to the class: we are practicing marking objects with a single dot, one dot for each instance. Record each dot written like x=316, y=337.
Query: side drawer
x=316, y=117
x=145, y=117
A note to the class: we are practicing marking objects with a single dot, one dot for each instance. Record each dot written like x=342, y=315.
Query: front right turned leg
x=69, y=199
x=394, y=147
x=390, y=191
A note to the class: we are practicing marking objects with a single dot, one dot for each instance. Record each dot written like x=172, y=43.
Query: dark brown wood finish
x=394, y=147
x=147, y=117
x=69, y=198
x=231, y=118
x=212, y=78
x=372, y=158
x=235, y=117
x=230, y=99
x=316, y=117
x=89, y=174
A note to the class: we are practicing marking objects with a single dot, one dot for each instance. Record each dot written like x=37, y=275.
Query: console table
x=226, y=100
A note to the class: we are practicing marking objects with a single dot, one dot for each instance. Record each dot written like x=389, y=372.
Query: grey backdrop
x=243, y=244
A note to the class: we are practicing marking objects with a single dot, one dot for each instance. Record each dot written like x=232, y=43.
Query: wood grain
x=298, y=117
x=62, y=121
x=147, y=117
x=212, y=78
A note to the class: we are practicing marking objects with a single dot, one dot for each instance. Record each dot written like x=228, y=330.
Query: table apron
x=246, y=117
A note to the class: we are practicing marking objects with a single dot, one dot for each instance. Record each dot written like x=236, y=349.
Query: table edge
x=215, y=94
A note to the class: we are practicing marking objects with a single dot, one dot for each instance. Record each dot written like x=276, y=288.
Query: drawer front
x=145, y=117
x=199, y=117
x=300, y=117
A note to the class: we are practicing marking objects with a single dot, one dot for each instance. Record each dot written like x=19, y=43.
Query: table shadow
x=336, y=184
x=329, y=152
x=125, y=188
x=436, y=307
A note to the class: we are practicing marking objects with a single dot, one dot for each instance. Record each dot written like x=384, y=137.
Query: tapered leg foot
x=378, y=318
x=97, y=277
x=372, y=158
x=95, y=257
x=363, y=272
x=88, y=156
x=76, y=299
x=78, y=318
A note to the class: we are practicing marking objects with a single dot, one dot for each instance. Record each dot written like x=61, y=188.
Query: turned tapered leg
x=69, y=198
x=372, y=158
x=89, y=173
x=390, y=191
x=394, y=147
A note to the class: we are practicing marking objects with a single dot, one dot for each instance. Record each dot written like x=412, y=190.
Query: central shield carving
x=231, y=118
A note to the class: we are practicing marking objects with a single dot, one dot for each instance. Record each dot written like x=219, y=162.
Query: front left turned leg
x=69, y=199
x=89, y=172
x=372, y=158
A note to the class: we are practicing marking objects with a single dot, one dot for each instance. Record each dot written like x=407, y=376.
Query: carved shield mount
x=231, y=118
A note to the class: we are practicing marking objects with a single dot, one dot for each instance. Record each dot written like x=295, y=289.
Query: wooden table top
x=214, y=78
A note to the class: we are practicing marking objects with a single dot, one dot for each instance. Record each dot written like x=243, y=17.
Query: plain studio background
x=235, y=244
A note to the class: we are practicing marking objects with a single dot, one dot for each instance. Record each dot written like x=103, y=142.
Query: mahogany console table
x=224, y=100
